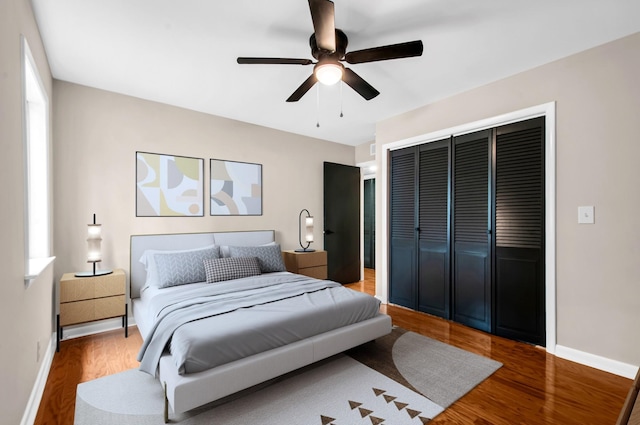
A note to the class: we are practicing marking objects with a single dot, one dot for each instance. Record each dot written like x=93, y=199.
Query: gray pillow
x=180, y=268
x=269, y=256
x=219, y=269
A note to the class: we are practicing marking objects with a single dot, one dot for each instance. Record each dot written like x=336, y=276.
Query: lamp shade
x=94, y=238
x=308, y=223
x=308, y=231
x=329, y=73
x=94, y=251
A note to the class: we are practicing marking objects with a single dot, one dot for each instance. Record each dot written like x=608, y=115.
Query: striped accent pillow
x=220, y=269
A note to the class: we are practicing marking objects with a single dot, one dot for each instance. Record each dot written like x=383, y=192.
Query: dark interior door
x=342, y=222
x=471, y=230
x=402, y=221
x=433, y=229
x=369, y=231
x=519, y=232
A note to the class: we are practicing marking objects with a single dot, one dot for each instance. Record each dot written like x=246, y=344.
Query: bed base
x=186, y=392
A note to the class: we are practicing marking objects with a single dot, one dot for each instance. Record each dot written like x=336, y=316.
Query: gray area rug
x=402, y=378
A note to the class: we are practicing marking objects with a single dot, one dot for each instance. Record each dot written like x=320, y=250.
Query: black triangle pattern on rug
x=399, y=405
x=326, y=420
x=354, y=404
x=389, y=398
x=375, y=421
x=413, y=413
x=377, y=391
x=365, y=412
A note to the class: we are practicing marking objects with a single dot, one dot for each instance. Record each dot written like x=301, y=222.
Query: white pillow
x=152, y=269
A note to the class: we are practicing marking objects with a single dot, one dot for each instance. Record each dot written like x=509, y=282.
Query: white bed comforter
x=210, y=325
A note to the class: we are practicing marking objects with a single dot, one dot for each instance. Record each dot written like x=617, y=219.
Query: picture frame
x=169, y=185
x=235, y=188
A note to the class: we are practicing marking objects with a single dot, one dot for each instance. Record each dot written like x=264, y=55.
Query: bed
x=280, y=321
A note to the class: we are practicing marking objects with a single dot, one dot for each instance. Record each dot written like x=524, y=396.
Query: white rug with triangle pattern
x=418, y=378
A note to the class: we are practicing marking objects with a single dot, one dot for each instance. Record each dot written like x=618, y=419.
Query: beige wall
x=597, y=95
x=96, y=135
x=25, y=313
x=363, y=153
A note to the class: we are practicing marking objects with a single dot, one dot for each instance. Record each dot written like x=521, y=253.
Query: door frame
x=367, y=172
x=547, y=110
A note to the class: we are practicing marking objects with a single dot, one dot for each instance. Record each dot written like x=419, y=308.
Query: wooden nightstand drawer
x=312, y=264
x=312, y=259
x=85, y=288
x=89, y=310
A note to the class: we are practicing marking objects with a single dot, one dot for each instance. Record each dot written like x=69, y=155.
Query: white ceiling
x=183, y=52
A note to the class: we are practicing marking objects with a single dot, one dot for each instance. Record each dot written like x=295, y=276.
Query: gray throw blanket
x=216, y=299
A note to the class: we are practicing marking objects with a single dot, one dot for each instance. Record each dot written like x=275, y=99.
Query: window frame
x=35, y=103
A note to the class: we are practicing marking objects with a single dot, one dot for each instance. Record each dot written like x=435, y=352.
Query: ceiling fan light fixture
x=329, y=73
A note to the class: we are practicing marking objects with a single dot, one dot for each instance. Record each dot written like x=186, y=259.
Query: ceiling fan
x=328, y=46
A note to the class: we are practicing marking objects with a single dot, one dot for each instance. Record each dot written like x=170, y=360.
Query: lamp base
x=92, y=273
x=305, y=250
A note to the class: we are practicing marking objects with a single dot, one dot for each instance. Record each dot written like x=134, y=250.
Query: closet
x=467, y=229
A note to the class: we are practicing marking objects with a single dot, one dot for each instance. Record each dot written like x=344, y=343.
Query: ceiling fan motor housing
x=322, y=55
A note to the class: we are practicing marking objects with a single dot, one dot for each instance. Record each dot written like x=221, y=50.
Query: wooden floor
x=532, y=387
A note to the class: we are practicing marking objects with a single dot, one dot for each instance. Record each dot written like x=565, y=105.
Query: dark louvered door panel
x=433, y=259
x=519, y=224
x=402, y=274
x=471, y=241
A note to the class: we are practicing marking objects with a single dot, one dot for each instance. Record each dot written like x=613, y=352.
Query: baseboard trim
x=30, y=412
x=608, y=365
x=77, y=331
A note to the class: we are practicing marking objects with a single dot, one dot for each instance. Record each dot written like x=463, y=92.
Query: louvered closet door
x=471, y=239
x=433, y=241
x=519, y=239
x=402, y=256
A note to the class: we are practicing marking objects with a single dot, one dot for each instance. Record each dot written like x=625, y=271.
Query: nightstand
x=87, y=299
x=312, y=264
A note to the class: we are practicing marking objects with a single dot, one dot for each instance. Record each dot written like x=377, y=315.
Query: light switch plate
x=585, y=215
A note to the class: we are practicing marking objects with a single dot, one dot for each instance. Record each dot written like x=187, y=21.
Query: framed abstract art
x=236, y=188
x=169, y=185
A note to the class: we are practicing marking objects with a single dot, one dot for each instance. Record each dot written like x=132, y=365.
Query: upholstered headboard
x=179, y=241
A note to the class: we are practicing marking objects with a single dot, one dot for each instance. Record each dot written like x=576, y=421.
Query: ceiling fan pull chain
x=318, y=105
x=341, y=84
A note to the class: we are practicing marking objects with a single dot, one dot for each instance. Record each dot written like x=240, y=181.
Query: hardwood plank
x=532, y=387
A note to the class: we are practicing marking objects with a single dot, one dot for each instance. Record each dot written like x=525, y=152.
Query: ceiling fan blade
x=323, y=17
x=393, y=51
x=356, y=82
x=304, y=87
x=274, y=61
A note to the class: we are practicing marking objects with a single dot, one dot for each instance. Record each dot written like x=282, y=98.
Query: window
x=36, y=165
